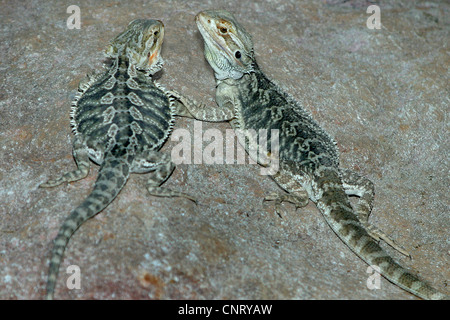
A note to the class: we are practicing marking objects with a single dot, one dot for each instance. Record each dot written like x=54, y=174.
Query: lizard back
x=309, y=161
x=122, y=107
x=120, y=119
x=264, y=106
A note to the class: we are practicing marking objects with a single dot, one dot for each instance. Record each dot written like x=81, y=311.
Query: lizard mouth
x=153, y=57
x=206, y=26
x=202, y=20
x=154, y=54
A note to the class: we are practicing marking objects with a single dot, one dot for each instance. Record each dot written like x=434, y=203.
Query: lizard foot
x=166, y=192
x=280, y=198
x=377, y=235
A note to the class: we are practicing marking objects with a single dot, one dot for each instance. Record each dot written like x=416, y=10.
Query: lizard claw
x=188, y=196
x=166, y=192
x=279, y=198
x=274, y=196
x=378, y=235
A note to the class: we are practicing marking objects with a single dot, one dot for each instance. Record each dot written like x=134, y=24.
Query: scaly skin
x=120, y=118
x=308, y=157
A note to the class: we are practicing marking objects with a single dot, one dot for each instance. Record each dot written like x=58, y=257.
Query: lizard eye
x=237, y=54
x=223, y=30
x=155, y=33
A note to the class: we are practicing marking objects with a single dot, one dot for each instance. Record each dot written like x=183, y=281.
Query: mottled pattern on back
x=304, y=140
x=120, y=118
x=308, y=157
x=123, y=101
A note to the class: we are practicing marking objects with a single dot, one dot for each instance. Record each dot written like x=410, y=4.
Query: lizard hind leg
x=297, y=193
x=81, y=157
x=363, y=188
x=159, y=167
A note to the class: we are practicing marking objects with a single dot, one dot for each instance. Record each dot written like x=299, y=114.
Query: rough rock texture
x=383, y=94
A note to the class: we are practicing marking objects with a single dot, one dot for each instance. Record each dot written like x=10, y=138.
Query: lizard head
x=228, y=47
x=141, y=43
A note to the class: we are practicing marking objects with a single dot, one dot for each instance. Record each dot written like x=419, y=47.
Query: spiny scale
x=120, y=118
x=309, y=160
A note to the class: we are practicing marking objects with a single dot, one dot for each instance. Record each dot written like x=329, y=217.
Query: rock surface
x=383, y=94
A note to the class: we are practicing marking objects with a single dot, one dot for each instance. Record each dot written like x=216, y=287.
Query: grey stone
x=383, y=94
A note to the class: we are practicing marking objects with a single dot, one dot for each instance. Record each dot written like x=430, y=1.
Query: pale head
x=141, y=43
x=228, y=47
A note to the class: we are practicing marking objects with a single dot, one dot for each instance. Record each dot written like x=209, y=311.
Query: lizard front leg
x=185, y=107
x=357, y=185
x=81, y=157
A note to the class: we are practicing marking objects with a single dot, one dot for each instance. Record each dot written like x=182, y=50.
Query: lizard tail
x=112, y=176
x=339, y=214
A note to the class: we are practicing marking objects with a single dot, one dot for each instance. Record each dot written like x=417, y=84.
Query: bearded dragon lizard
x=120, y=118
x=308, y=156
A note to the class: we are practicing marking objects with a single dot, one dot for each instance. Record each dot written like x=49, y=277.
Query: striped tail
x=112, y=176
x=339, y=214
